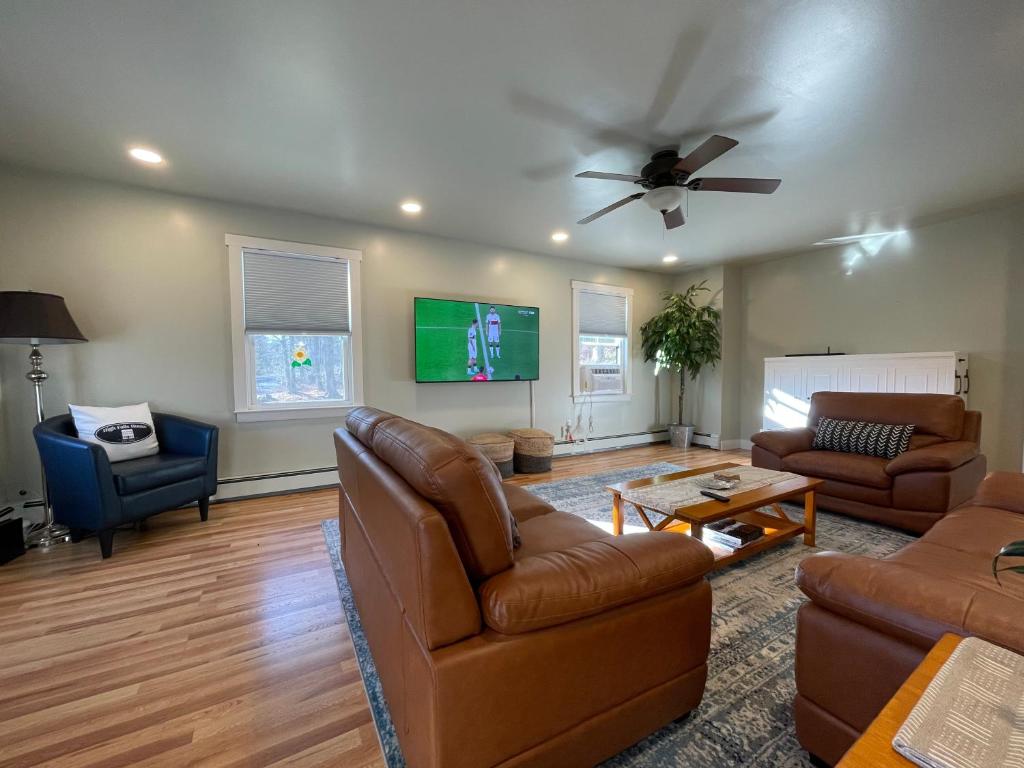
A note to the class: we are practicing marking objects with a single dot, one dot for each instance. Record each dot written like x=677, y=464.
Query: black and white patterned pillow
x=884, y=440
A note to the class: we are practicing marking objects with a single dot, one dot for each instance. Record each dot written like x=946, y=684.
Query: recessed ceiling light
x=670, y=258
x=144, y=155
x=559, y=236
x=411, y=206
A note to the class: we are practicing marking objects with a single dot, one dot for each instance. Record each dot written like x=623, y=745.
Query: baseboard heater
x=274, y=475
x=275, y=483
x=611, y=442
x=707, y=440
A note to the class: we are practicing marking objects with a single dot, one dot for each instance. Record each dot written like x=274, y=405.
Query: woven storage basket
x=533, y=450
x=497, y=448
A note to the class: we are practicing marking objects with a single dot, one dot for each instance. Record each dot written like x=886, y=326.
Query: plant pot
x=680, y=435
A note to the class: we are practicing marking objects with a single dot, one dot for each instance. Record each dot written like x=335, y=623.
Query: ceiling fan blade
x=759, y=186
x=673, y=218
x=610, y=208
x=608, y=176
x=705, y=153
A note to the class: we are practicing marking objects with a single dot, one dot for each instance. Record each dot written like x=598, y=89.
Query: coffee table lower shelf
x=775, y=529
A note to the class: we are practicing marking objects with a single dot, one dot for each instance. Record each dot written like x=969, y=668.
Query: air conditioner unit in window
x=606, y=380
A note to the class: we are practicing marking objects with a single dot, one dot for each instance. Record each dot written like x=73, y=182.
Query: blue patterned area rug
x=746, y=716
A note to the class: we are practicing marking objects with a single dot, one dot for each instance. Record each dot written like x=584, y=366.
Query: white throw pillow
x=124, y=433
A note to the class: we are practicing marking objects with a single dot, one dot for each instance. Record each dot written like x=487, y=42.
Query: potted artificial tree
x=683, y=338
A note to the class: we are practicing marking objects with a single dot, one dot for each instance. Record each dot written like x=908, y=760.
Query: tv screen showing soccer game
x=476, y=341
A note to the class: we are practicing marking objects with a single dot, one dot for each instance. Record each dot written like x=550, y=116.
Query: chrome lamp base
x=44, y=535
x=47, y=533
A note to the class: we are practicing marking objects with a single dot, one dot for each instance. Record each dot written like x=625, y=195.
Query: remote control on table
x=715, y=496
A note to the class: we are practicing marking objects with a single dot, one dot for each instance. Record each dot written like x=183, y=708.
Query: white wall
x=955, y=285
x=145, y=276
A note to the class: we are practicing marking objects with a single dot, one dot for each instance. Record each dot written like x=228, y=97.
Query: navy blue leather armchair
x=88, y=493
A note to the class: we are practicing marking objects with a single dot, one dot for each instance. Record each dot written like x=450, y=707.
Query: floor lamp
x=35, y=319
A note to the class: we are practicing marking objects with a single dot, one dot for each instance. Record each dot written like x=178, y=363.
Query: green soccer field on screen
x=476, y=341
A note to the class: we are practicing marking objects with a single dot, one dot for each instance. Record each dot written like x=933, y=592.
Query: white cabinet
x=789, y=382
x=820, y=377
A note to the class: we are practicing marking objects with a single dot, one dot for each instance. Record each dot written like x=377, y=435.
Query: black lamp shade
x=39, y=318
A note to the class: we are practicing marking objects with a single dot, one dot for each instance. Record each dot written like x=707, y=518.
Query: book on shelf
x=731, y=533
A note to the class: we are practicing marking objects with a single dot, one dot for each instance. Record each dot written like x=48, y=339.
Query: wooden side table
x=874, y=747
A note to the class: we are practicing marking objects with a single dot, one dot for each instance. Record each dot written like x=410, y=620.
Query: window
x=601, y=324
x=295, y=329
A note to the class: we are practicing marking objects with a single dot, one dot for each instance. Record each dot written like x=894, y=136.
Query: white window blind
x=602, y=314
x=289, y=292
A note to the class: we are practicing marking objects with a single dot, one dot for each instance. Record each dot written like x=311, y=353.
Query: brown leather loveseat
x=912, y=491
x=560, y=652
x=870, y=622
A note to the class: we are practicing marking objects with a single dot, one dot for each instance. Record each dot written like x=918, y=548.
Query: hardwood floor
x=202, y=644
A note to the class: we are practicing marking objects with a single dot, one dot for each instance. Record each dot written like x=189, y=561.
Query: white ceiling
x=873, y=113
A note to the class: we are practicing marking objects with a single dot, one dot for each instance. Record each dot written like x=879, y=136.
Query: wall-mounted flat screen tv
x=476, y=341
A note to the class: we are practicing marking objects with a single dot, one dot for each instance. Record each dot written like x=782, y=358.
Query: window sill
x=290, y=414
x=583, y=397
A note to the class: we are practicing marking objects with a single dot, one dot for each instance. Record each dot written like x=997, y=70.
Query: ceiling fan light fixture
x=667, y=176
x=663, y=199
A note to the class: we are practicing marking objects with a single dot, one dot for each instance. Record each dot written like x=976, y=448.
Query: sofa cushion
x=136, y=475
x=941, y=415
x=864, y=494
x=923, y=441
x=561, y=586
x=863, y=437
x=460, y=482
x=524, y=505
x=556, y=531
x=976, y=530
x=832, y=465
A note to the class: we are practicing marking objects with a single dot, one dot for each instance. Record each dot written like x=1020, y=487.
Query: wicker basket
x=497, y=448
x=533, y=450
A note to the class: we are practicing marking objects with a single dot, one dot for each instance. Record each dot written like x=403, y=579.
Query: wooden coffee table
x=745, y=506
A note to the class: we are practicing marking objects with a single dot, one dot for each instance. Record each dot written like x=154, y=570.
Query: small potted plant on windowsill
x=1014, y=549
x=683, y=338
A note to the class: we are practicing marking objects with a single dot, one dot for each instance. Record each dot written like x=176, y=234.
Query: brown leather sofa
x=561, y=652
x=940, y=471
x=870, y=622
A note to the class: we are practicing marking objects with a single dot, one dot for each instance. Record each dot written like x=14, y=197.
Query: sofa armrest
x=558, y=587
x=907, y=603
x=176, y=434
x=79, y=480
x=942, y=457
x=1002, y=490
x=783, y=442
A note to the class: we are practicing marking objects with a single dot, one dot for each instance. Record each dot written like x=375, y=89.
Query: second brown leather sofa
x=870, y=622
x=913, y=491
x=561, y=652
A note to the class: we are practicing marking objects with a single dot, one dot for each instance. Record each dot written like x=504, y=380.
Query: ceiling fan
x=666, y=176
